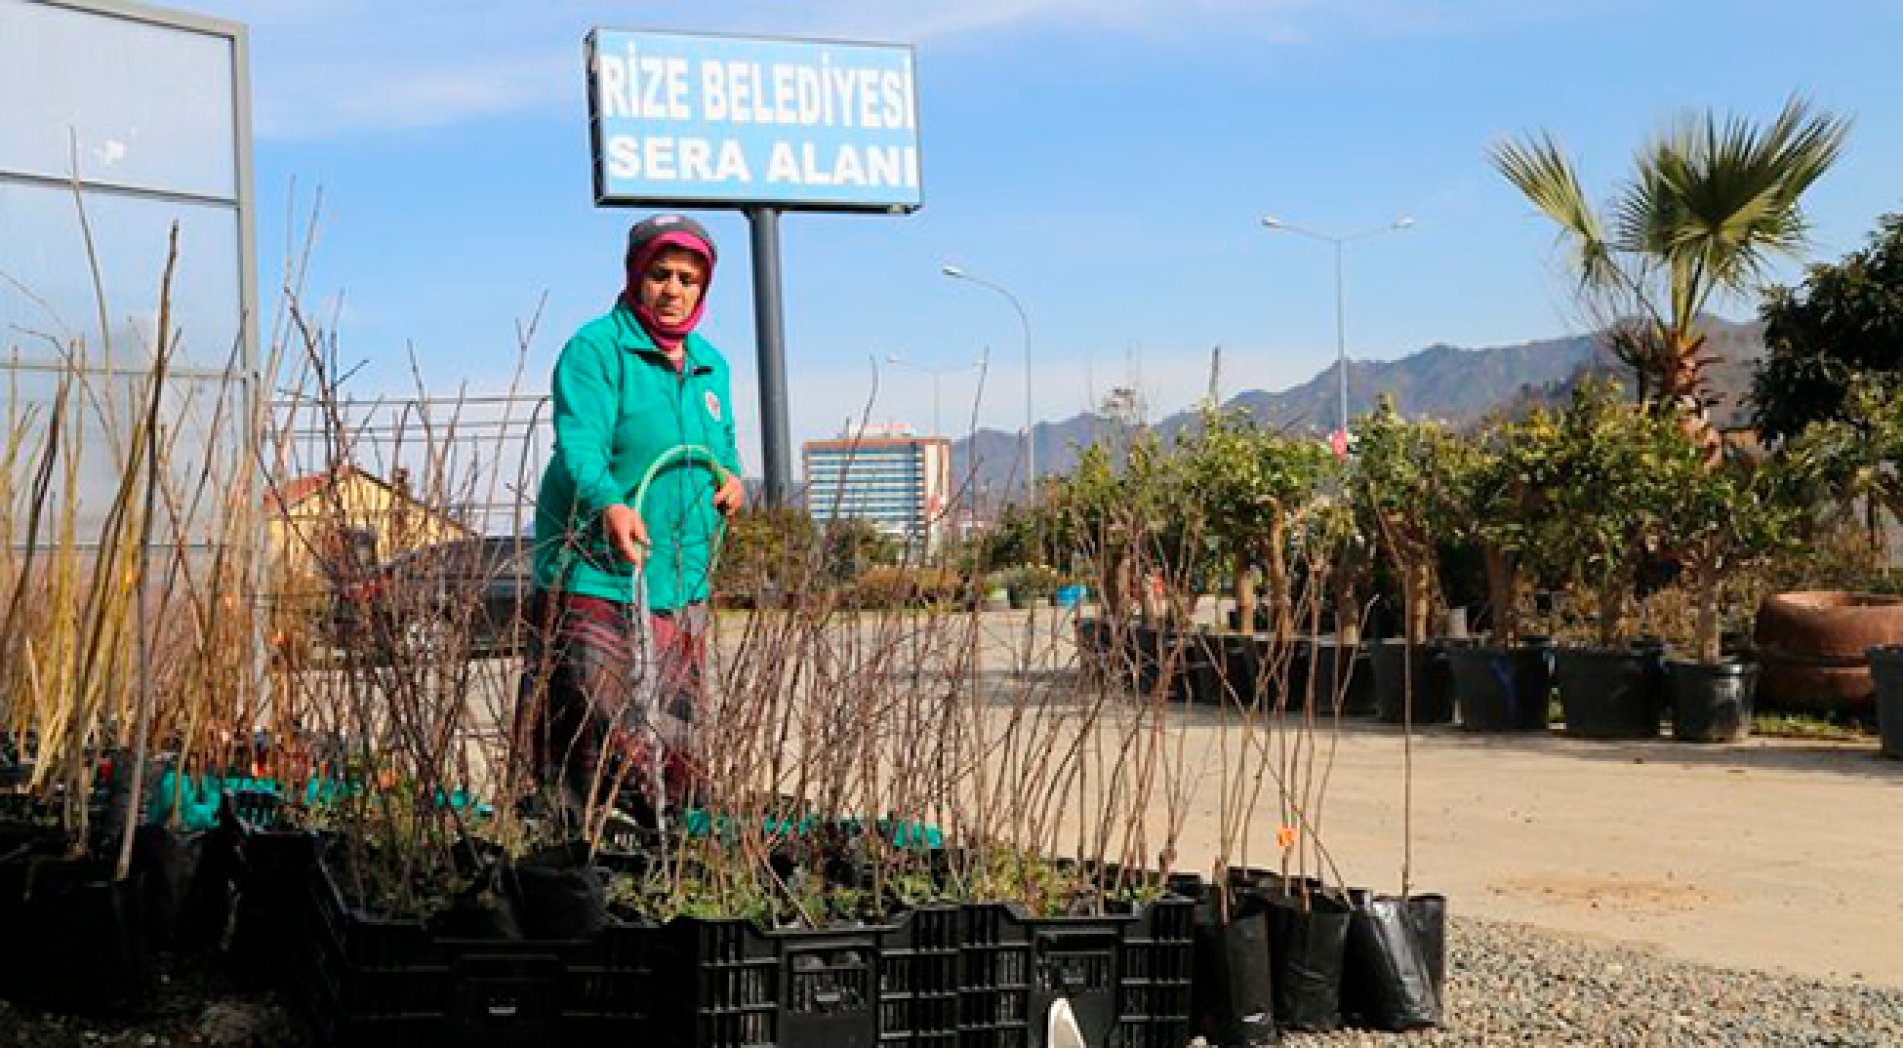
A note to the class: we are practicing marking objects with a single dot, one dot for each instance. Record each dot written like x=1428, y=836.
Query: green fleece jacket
x=619, y=405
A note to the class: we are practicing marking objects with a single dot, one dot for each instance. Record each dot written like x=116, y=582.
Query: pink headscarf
x=669, y=337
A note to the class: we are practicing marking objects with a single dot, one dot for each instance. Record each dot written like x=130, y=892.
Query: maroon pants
x=600, y=711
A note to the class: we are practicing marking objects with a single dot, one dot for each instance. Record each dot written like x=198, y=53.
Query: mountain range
x=1455, y=385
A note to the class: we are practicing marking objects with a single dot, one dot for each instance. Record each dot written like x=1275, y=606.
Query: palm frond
x=1541, y=171
x=1738, y=187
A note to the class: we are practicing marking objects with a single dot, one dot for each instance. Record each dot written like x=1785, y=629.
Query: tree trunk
x=1506, y=621
x=1686, y=389
x=1279, y=598
x=1873, y=526
x=1611, y=603
x=1417, y=596
x=1115, y=588
x=1710, y=643
x=1245, y=594
x=1347, y=605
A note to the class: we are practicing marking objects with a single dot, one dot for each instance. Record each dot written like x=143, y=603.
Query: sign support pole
x=770, y=347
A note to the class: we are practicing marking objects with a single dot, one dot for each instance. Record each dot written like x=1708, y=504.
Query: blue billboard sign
x=732, y=121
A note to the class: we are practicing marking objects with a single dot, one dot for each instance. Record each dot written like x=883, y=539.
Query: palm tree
x=1710, y=203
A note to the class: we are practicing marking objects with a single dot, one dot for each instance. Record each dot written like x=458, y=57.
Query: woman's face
x=671, y=285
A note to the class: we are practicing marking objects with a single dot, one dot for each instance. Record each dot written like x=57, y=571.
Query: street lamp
x=957, y=272
x=938, y=374
x=1271, y=223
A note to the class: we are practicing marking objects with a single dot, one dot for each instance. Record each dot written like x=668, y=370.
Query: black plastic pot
x=1261, y=623
x=187, y=879
x=1145, y=657
x=1428, y=915
x=1091, y=635
x=1198, y=676
x=1886, y=668
x=1610, y=693
x=76, y=937
x=1241, y=668
x=1433, y=683
x=1712, y=703
x=1233, y=996
x=1386, y=981
x=1501, y=689
x=273, y=869
x=560, y=895
x=1356, y=698
x=1307, y=937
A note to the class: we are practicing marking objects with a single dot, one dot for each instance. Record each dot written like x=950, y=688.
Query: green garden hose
x=668, y=458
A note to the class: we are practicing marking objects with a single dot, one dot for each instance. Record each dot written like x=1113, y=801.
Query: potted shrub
x=1498, y=478
x=1033, y=585
x=1249, y=483
x=1811, y=642
x=1598, y=515
x=1403, y=483
x=1323, y=666
x=1718, y=517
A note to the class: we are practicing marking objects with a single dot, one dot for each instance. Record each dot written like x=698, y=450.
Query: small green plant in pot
x=1600, y=509
x=1717, y=517
x=1404, y=482
x=1498, y=479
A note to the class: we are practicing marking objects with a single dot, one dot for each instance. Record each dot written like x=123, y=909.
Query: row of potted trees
x=1603, y=497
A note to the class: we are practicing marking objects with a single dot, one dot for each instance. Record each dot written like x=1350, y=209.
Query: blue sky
x=1106, y=160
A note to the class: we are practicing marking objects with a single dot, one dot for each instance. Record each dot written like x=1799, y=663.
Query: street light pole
x=938, y=374
x=1024, y=321
x=1272, y=223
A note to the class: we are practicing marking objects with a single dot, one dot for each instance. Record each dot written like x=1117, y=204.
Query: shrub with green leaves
x=1599, y=491
x=1250, y=483
x=1406, y=478
x=1718, y=518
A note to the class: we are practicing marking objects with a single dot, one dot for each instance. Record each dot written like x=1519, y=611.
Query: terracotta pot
x=1812, y=647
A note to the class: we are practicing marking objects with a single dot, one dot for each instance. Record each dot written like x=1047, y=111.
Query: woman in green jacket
x=629, y=387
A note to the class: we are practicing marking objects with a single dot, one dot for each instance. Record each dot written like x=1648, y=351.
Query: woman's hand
x=731, y=494
x=627, y=532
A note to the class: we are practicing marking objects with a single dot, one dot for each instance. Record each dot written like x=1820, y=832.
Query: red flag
x=1339, y=441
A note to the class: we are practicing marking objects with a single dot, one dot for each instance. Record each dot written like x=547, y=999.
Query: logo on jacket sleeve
x=713, y=404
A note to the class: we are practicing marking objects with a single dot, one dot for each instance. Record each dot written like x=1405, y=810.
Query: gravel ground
x=192, y=1004
x=1513, y=984
x=1507, y=984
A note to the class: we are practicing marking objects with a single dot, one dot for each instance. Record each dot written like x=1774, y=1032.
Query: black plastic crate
x=727, y=984
x=370, y=982
x=1126, y=976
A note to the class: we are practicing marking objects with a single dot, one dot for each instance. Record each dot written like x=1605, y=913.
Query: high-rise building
x=888, y=475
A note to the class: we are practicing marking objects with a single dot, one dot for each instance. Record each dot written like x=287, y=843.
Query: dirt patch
x=1620, y=894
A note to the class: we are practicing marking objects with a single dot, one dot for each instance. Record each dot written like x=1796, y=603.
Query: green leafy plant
x=1250, y=483
x=1844, y=323
x=1717, y=520
x=1856, y=459
x=1598, y=496
x=1406, y=479
x=1499, y=477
